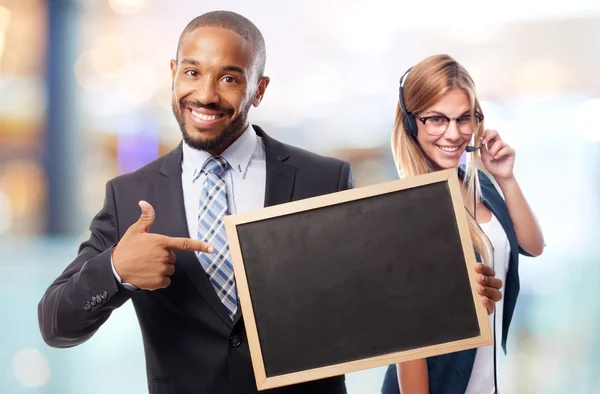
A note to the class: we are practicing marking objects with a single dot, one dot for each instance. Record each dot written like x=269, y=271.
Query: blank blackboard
x=357, y=279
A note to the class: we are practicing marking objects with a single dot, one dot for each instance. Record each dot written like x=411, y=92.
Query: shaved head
x=239, y=25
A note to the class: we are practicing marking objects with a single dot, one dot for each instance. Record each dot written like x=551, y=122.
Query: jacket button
x=87, y=306
x=104, y=294
x=99, y=299
x=93, y=301
x=235, y=341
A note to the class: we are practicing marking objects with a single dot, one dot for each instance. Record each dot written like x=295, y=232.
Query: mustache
x=195, y=104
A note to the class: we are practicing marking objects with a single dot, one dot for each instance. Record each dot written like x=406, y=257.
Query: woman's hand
x=497, y=156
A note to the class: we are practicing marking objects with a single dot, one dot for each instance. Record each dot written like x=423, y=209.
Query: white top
x=245, y=177
x=482, y=377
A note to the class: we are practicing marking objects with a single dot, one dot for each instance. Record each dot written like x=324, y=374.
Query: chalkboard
x=357, y=279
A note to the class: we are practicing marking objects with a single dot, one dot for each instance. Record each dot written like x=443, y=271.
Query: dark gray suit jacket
x=191, y=345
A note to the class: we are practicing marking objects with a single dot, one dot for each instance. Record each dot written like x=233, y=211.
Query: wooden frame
x=245, y=297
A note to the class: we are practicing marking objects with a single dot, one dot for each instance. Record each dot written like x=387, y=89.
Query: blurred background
x=85, y=95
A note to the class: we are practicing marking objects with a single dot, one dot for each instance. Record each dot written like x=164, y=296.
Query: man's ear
x=173, y=68
x=263, y=82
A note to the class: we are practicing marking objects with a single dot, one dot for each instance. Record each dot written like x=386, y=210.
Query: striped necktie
x=213, y=207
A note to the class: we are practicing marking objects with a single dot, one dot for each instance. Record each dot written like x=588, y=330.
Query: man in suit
x=173, y=261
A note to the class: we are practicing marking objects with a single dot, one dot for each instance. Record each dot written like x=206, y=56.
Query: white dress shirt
x=245, y=179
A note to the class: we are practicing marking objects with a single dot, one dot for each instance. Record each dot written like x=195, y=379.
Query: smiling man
x=172, y=260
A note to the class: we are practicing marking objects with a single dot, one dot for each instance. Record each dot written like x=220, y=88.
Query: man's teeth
x=448, y=148
x=205, y=117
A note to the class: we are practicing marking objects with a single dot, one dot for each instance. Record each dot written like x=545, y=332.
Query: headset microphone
x=472, y=148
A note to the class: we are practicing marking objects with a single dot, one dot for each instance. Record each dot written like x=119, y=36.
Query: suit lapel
x=280, y=175
x=171, y=212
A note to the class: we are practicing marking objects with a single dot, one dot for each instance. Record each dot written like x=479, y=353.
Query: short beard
x=221, y=141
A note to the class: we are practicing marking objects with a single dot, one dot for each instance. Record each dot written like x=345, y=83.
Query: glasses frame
x=449, y=120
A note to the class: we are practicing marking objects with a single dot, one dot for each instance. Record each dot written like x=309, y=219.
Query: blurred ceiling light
x=31, y=367
x=362, y=17
x=85, y=77
x=25, y=99
x=4, y=18
x=95, y=68
x=24, y=183
x=588, y=115
x=138, y=80
x=2, y=40
x=6, y=215
x=368, y=28
x=539, y=76
x=473, y=33
x=104, y=104
x=4, y=21
x=109, y=54
x=126, y=7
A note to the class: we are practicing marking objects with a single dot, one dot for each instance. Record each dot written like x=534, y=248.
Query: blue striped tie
x=213, y=207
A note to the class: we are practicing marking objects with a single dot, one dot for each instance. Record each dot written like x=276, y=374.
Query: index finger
x=485, y=269
x=187, y=244
x=488, y=135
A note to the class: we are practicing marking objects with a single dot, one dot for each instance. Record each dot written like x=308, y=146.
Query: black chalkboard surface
x=357, y=279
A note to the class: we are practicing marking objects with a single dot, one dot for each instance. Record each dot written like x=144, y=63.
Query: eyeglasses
x=438, y=124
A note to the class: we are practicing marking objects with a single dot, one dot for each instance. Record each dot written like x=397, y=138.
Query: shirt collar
x=238, y=155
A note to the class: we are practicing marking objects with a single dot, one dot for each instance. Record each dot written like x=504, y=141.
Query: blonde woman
x=438, y=119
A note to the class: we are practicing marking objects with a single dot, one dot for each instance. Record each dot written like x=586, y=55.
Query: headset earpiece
x=410, y=122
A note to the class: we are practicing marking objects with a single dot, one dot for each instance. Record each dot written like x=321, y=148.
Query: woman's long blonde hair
x=425, y=84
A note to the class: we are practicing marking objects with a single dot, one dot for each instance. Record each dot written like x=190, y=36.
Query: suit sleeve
x=82, y=298
x=346, y=180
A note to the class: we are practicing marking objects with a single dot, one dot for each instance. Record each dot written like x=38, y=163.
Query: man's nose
x=206, y=92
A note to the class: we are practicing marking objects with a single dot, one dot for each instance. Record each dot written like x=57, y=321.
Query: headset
x=410, y=122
